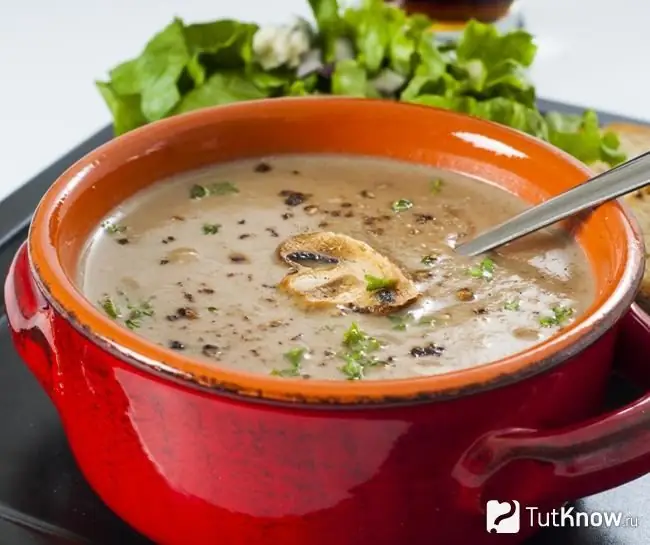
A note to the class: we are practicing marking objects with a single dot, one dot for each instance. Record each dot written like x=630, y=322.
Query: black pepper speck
x=206, y=291
x=210, y=350
x=430, y=349
x=187, y=312
x=293, y=198
x=238, y=258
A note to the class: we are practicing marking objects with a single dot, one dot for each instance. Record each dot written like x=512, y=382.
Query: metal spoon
x=625, y=178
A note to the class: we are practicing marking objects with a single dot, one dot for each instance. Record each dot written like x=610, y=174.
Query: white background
x=592, y=53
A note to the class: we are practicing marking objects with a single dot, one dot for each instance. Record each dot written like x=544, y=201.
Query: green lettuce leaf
x=401, y=51
x=273, y=82
x=513, y=114
x=303, y=87
x=431, y=76
x=329, y=24
x=444, y=85
x=610, y=152
x=493, y=65
x=394, y=55
x=220, y=89
x=154, y=75
x=125, y=109
x=349, y=79
x=500, y=110
x=219, y=45
x=581, y=136
x=484, y=42
x=372, y=27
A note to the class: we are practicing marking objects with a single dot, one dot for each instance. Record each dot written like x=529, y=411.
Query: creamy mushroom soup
x=330, y=267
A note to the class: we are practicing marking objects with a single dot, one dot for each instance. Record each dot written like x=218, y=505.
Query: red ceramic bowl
x=189, y=453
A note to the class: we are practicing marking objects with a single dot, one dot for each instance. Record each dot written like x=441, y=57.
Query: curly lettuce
x=373, y=50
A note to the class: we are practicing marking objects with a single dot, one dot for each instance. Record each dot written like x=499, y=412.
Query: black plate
x=44, y=500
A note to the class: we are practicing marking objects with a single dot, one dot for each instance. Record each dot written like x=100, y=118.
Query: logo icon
x=502, y=517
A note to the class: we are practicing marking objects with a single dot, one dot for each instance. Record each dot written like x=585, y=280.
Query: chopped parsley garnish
x=374, y=283
x=357, y=340
x=353, y=368
x=511, y=305
x=211, y=228
x=113, y=228
x=110, y=307
x=294, y=357
x=560, y=315
x=401, y=205
x=136, y=313
x=485, y=269
x=436, y=186
x=357, y=355
x=221, y=188
x=429, y=260
x=212, y=309
x=134, y=317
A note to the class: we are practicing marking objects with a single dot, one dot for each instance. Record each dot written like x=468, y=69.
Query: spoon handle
x=624, y=178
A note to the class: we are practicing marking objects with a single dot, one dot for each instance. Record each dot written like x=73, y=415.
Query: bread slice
x=635, y=140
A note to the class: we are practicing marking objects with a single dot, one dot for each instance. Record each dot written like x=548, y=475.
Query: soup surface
x=330, y=267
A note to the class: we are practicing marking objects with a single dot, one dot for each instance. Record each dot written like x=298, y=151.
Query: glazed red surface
x=185, y=466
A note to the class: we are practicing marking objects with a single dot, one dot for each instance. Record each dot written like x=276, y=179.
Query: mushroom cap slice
x=335, y=270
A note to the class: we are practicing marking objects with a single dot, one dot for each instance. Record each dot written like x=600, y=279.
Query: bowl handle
x=29, y=315
x=542, y=468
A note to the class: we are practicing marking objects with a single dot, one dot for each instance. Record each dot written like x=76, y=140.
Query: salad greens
x=375, y=50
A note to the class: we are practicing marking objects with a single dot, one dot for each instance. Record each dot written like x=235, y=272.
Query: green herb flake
x=357, y=340
x=560, y=315
x=485, y=269
x=374, y=283
x=357, y=356
x=211, y=228
x=294, y=357
x=212, y=309
x=511, y=305
x=223, y=188
x=436, y=186
x=110, y=308
x=399, y=322
x=429, y=260
x=113, y=228
x=136, y=313
x=198, y=191
x=353, y=368
x=401, y=205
